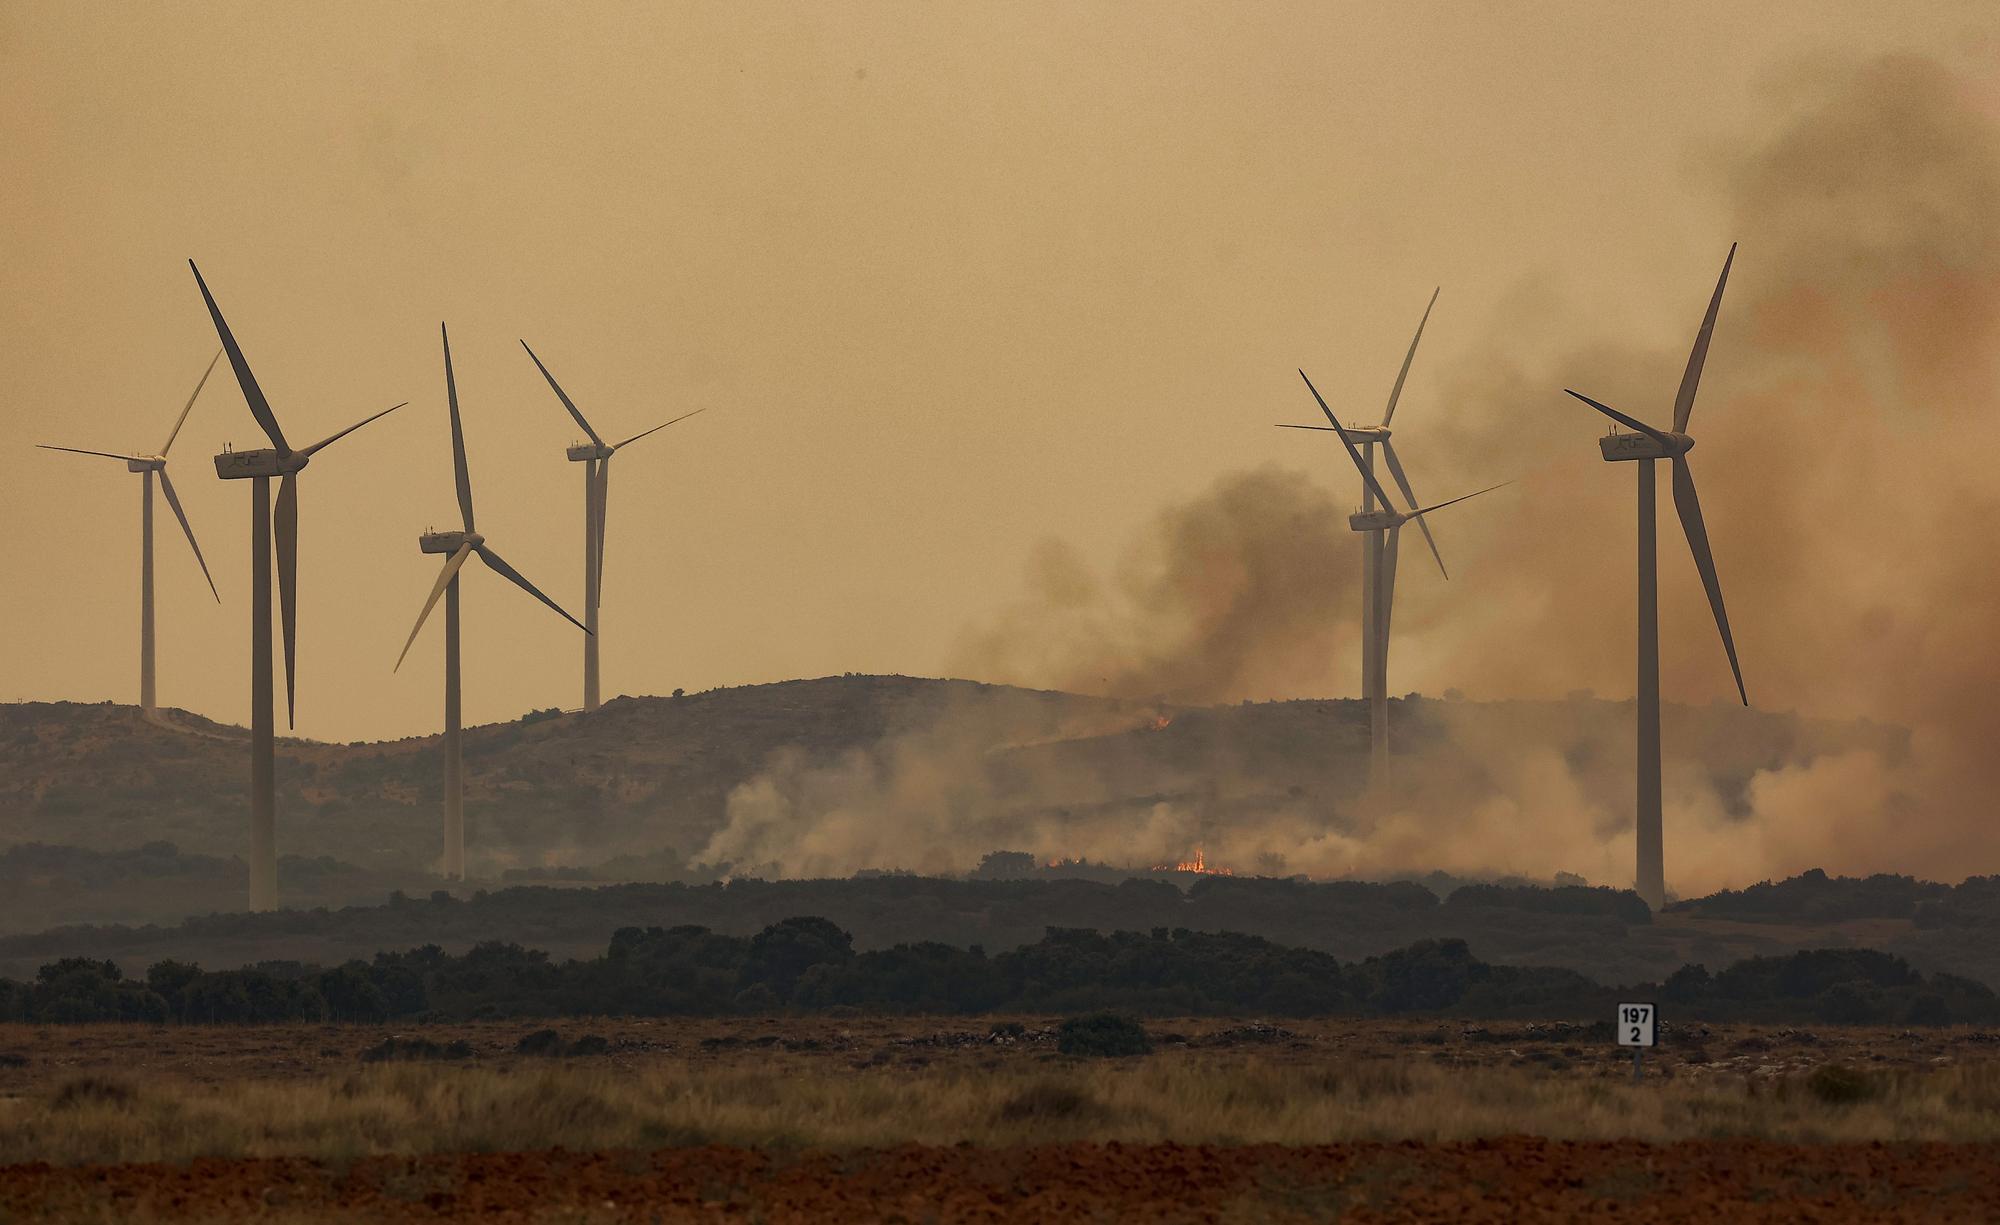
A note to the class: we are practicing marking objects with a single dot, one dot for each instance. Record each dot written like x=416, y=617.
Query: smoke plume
x=1846, y=430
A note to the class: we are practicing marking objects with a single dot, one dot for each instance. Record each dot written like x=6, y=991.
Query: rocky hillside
x=653, y=777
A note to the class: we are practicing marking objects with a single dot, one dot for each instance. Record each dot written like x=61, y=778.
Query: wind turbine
x=458, y=546
x=1374, y=627
x=1384, y=527
x=148, y=465
x=258, y=467
x=596, y=458
x=1644, y=447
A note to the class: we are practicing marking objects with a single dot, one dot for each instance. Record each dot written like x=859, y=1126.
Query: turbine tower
x=1383, y=528
x=595, y=455
x=1374, y=624
x=458, y=546
x=1645, y=446
x=258, y=467
x=148, y=465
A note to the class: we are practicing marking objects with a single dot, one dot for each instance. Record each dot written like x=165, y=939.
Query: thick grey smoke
x=1237, y=593
x=1846, y=428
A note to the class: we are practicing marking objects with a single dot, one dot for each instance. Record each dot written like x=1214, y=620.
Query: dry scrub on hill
x=411, y=1109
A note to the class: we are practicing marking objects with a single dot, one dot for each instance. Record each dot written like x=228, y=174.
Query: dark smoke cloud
x=1240, y=592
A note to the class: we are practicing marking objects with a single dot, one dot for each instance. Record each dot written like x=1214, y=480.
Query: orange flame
x=1199, y=865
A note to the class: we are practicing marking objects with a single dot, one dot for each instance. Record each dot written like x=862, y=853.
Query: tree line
x=809, y=965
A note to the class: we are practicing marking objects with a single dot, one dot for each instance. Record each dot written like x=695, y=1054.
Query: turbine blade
x=1684, y=402
x=260, y=408
x=1455, y=501
x=457, y=436
x=167, y=487
x=563, y=396
x=513, y=576
x=1396, y=392
x=1622, y=419
x=80, y=451
x=285, y=526
x=445, y=576
x=603, y=496
x=656, y=429
x=1283, y=426
x=330, y=439
x=1689, y=507
x=1347, y=442
x=1403, y=483
x=186, y=408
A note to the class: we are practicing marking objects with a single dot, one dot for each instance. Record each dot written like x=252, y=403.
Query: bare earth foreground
x=1512, y=1178
x=943, y=1120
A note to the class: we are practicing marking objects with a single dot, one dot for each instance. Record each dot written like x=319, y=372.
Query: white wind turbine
x=148, y=465
x=1374, y=631
x=1384, y=527
x=258, y=467
x=459, y=547
x=1644, y=447
x=595, y=455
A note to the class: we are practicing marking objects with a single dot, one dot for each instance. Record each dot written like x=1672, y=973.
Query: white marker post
x=1638, y=1028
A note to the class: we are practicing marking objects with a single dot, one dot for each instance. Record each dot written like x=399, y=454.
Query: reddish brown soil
x=1509, y=1179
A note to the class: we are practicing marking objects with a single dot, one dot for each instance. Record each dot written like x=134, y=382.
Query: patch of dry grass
x=1190, y=1099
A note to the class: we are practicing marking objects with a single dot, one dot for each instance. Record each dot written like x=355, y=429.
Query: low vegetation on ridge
x=808, y=964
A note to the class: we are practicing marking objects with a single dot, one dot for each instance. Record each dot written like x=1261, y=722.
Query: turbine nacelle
x=448, y=542
x=234, y=465
x=146, y=463
x=1618, y=447
x=584, y=452
x=1377, y=520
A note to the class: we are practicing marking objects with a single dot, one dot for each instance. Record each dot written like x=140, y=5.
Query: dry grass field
x=921, y=1119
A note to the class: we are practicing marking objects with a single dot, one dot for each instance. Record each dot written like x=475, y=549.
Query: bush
x=541, y=1042
x=393, y=1049
x=1105, y=1034
x=1928, y=1009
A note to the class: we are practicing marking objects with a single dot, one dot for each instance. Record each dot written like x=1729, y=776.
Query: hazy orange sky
x=951, y=280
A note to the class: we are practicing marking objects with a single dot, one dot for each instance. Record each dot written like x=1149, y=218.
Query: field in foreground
x=1511, y=1179
x=922, y=1119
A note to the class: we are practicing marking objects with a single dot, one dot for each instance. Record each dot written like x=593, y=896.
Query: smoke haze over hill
x=1846, y=425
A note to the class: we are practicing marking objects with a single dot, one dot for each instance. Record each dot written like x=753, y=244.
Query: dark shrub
x=416, y=1048
x=1849, y=1004
x=1427, y=976
x=541, y=1042
x=1928, y=1009
x=590, y=1044
x=756, y=998
x=1106, y=1034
